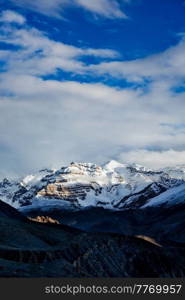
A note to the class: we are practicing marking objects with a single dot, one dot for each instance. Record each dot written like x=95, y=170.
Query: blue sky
x=84, y=80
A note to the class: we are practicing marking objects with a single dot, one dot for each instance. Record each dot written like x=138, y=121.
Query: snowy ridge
x=172, y=196
x=113, y=185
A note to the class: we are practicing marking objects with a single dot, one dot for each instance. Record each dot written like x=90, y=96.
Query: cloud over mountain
x=56, y=105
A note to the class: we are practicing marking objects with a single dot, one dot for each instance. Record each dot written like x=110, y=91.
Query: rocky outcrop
x=44, y=219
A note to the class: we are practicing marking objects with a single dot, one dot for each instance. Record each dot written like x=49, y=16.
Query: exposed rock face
x=44, y=219
x=59, y=191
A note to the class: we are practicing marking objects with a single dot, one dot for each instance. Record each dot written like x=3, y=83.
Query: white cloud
x=155, y=159
x=169, y=64
x=49, y=8
x=9, y=16
x=40, y=55
x=48, y=122
x=106, y=8
x=45, y=122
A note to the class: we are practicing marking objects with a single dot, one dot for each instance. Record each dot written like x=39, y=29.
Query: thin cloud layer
x=39, y=55
x=169, y=64
x=155, y=159
x=9, y=16
x=105, y=8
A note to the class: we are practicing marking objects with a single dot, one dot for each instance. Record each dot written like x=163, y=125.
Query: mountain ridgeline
x=80, y=185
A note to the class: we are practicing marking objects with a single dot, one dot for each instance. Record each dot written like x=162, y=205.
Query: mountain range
x=84, y=214
x=112, y=186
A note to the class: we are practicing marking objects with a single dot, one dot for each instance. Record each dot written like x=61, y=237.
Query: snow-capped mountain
x=113, y=186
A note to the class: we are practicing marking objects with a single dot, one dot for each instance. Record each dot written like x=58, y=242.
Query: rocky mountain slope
x=112, y=186
x=31, y=249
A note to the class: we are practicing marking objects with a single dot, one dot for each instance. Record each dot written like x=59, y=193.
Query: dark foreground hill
x=31, y=249
x=166, y=225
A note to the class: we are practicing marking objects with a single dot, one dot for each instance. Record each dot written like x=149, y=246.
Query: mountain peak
x=113, y=164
